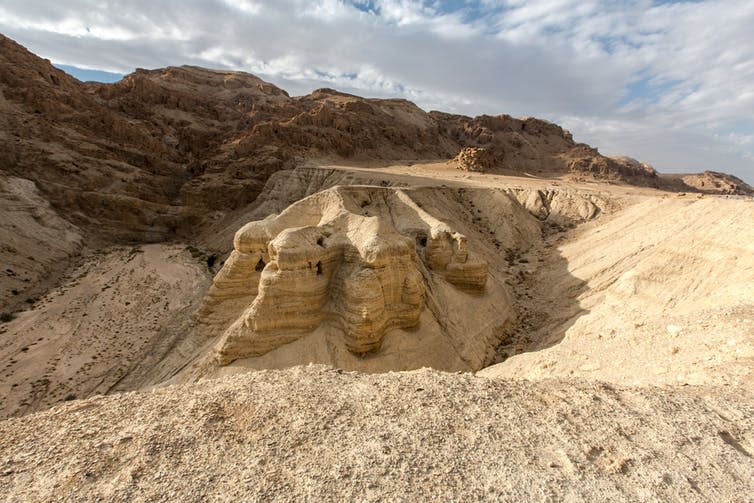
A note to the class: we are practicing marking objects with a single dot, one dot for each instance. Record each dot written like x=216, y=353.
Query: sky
x=670, y=83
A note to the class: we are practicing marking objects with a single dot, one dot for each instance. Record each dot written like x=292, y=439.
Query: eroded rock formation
x=560, y=206
x=713, y=182
x=354, y=256
x=476, y=159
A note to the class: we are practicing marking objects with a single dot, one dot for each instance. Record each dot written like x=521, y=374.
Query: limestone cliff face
x=335, y=256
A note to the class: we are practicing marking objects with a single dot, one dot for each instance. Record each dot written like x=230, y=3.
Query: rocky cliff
x=164, y=152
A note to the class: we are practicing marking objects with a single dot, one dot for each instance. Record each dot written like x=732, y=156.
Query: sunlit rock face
x=358, y=257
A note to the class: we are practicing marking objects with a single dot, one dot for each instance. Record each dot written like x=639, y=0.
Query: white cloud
x=672, y=84
x=245, y=6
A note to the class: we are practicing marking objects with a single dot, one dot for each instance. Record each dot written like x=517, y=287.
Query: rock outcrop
x=585, y=161
x=713, y=182
x=506, y=145
x=560, y=206
x=335, y=257
x=476, y=159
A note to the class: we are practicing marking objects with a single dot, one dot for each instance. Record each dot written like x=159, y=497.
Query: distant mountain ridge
x=151, y=155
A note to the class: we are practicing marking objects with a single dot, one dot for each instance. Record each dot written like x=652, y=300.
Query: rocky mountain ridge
x=154, y=155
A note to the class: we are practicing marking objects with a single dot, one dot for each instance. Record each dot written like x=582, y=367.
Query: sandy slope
x=103, y=329
x=666, y=296
x=311, y=433
x=36, y=243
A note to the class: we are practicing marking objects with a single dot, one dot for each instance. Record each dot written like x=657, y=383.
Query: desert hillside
x=149, y=156
x=213, y=290
x=165, y=154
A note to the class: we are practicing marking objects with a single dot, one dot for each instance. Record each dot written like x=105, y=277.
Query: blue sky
x=670, y=83
x=85, y=74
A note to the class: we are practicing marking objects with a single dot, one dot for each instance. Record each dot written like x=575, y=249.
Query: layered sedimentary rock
x=356, y=257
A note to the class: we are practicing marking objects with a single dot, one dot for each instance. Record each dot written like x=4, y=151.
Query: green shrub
x=195, y=252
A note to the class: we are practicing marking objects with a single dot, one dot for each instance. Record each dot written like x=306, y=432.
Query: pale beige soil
x=433, y=173
x=36, y=244
x=104, y=329
x=318, y=434
x=668, y=297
